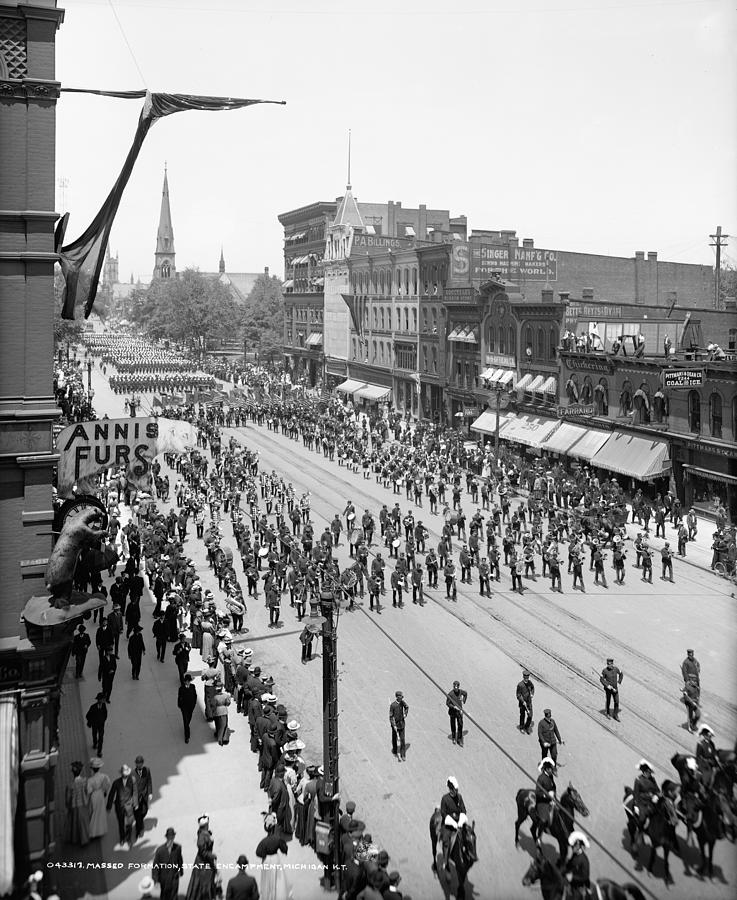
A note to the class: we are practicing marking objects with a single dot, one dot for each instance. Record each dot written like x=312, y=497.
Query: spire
x=221, y=267
x=164, y=266
x=348, y=213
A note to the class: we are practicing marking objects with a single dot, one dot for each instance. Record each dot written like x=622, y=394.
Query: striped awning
x=523, y=382
x=314, y=340
x=373, y=392
x=350, y=386
x=488, y=374
x=532, y=431
x=536, y=383
x=634, y=456
x=563, y=438
x=486, y=422
x=507, y=377
x=549, y=386
x=458, y=334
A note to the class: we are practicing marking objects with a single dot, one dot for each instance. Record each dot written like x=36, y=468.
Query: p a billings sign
x=88, y=448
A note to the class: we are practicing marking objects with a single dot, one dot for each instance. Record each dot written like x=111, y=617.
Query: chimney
x=652, y=256
x=587, y=294
x=640, y=255
x=564, y=296
x=528, y=243
x=422, y=223
x=266, y=271
x=547, y=295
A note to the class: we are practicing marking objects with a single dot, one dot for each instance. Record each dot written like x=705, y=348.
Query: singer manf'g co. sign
x=88, y=448
x=513, y=263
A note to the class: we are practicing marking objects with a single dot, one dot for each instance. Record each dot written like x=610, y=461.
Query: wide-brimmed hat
x=576, y=837
x=294, y=746
x=146, y=885
x=548, y=761
x=96, y=763
x=293, y=725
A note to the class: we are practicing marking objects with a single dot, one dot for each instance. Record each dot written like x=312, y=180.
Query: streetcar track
x=520, y=635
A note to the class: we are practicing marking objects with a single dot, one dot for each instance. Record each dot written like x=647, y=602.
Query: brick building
x=30, y=672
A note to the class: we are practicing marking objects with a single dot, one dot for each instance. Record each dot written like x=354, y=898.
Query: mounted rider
x=706, y=755
x=452, y=817
x=578, y=867
x=545, y=791
x=645, y=793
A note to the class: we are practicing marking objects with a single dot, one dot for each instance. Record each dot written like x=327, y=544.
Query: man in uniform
x=610, y=678
x=545, y=791
x=691, y=697
x=525, y=693
x=666, y=557
x=691, y=667
x=706, y=755
x=578, y=866
x=645, y=792
x=452, y=808
x=549, y=737
x=454, y=701
x=398, y=712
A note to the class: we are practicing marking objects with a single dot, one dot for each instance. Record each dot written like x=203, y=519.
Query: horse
x=561, y=821
x=462, y=853
x=707, y=811
x=661, y=828
x=553, y=883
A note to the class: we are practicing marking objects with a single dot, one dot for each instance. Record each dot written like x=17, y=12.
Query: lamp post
x=330, y=720
x=89, y=376
x=498, y=388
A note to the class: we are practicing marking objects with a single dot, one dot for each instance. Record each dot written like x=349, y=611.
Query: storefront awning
x=523, y=382
x=536, y=383
x=721, y=477
x=373, y=392
x=470, y=335
x=350, y=387
x=457, y=333
x=506, y=378
x=288, y=283
x=563, y=438
x=488, y=374
x=590, y=444
x=486, y=422
x=314, y=340
x=549, y=386
x=634, y=456
x=8, y=790
x=532, y=431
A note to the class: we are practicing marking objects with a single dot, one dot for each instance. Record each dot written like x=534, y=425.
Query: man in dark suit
x=242, y=886
x=186, y=701
x=124, y=797
x=96, y=718
x=145, y=791
x=168, y=867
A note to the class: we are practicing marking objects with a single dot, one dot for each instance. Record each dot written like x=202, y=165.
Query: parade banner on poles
x=89, y=448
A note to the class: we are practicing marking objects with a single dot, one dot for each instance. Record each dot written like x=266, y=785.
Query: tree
x=191, y=309
x=263, y=316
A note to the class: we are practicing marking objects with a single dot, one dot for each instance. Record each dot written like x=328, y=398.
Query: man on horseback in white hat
x=645, y=794
x=577, y=866
x=545, y=792
x=452, y=817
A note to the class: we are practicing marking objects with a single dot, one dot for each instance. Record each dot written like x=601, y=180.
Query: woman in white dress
x=98, y=787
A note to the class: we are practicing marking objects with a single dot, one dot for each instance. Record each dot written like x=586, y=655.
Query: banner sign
x=586, y=409
x=513, y=263
x=683, y=378
x=89, y=448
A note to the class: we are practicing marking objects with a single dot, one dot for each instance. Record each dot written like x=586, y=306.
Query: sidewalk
x=189, y=780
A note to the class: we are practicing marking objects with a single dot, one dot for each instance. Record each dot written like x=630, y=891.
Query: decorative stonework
x=13, y=47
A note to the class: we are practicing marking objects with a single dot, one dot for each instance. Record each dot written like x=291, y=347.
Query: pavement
x=483, y=642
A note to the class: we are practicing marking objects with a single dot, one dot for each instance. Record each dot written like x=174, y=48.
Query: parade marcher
x=123, y=796
x=398, y=712
x=691, y=697
x=706, y=755
x=78, y=811
x=691, y=667
x=549, y=736
x=274, y=882
x=144, y=793
x=202, y=882
x=577, y=866
x=187, y=701
x=136, y=650
x=98, y=787
x=610, y=678
x=454, y=701
x=180, y=652
x=242, y=886
x=96, y=718
x=80, y=645
x=666, y=556
x=452, y=808
x=525, y=693
x=168, y=866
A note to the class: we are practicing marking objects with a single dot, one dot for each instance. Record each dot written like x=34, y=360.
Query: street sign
x=585, y=409
x=683, y=378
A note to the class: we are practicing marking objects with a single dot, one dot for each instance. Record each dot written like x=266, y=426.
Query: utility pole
x=719, y=240
x=330, y=720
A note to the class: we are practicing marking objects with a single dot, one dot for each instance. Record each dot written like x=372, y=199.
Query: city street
x=563, y=639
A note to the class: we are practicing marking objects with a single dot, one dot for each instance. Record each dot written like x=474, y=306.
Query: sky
x=598, y=126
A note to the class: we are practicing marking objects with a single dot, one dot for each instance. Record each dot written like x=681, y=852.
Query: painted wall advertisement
x=513, y=263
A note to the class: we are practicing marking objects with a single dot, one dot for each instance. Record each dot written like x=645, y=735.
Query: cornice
x=29, y=88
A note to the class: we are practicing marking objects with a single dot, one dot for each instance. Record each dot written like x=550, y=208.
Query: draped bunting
x=357, y=307
x=82, y=260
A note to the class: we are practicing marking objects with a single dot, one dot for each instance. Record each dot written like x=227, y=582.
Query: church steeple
x=348, y=213
x=221, y=267
x=164, y=266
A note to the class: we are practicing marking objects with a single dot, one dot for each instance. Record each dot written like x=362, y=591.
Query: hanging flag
x=82, y=260
x=356, y=304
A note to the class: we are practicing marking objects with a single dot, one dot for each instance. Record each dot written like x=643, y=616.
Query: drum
x=396, y=542
x=350, y=579
x=351, y=516
x=356, y=537
x=263, y=551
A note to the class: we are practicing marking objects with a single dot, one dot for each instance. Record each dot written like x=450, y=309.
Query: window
x=625, y=398
x=435, y=360
x=381, y=281
x=734, y=418
x=715, y=415
x=406, y=356
x=540, y=344
x=406, y=281
x=694, y=412
x=381, y=351
x=373, y=351
x=491, y=339
x=527, y=342
x=459, y=371
x=414, y=319
x=381, y=318
x=424, y=358
x=399, y=319
x=641, y=404
x=434, y=320
x=587, y=390
x=601, y=397
x=414, y=281
x=406, y=318
x=502, y=342
x=355, y=345
x=553, y=345
x=511, y=342
x=732, y=340
x=424, y=318
x=376, y=317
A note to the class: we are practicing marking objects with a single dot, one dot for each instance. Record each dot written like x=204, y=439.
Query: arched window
x=435, y=360
x=406, y=281
x=406, y=318
x=354, y=345
x=502, y=340
x=381, y=281
x=414, y=319
x=381, y=318
x=376, y=316
x=424, y=318
x=601, y=397
x=694, y=412
x=734, y=418
x=399, y=318
x=491, y=339
x=424, y=357
x=540, y=344
x=528, y=344
x=366, y=316
x=553, y=344
x=625, y=398
x=511, y=342
x=381, y=351
x=414, y=281
x=373, y=351
x=587, y=390
x=715, y=415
